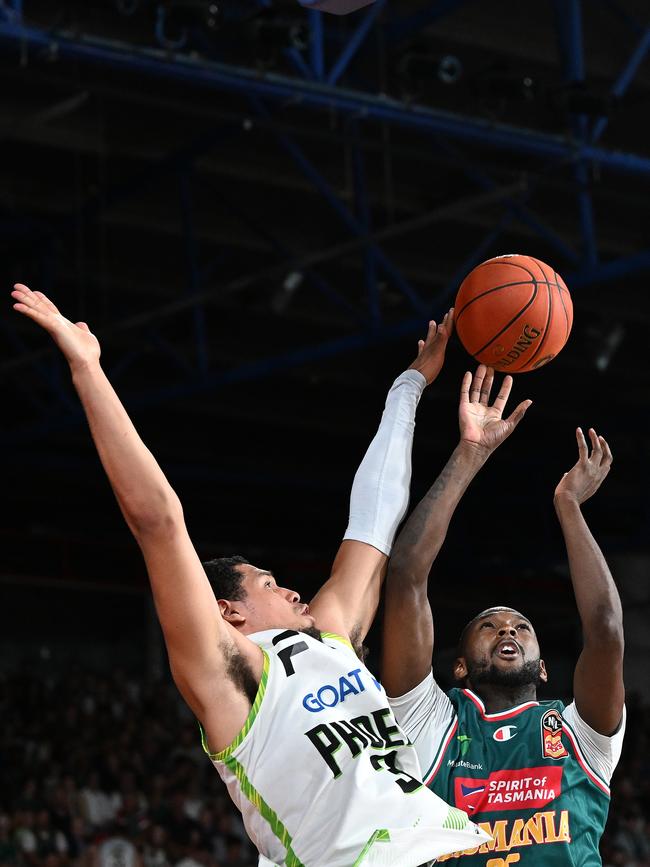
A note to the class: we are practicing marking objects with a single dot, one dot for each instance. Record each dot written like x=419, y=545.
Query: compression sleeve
x=380, y=491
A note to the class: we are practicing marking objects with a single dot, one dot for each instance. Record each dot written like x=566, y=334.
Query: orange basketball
x=513, y=313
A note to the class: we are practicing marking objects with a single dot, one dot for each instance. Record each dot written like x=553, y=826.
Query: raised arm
x=599, y=671
x=347, y=602
x=199, y=641
x=408, y=621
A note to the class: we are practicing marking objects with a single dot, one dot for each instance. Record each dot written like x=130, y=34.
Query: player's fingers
x=501, y=399
x=45, y=301
x=431, y=332
x=477, y=383
x=24, y=295
x=516, y=416
x=465, y=386
x=596, y=448
x=36, y=300
x=486, y=388
x=608, y=457
x=83, y=326
x=27, y=298
x=33, y=313
x=450, y=321
x=446, y=327
x=583, y=451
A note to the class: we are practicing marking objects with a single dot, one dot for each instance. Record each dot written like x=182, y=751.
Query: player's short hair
x=225, y=578
x=460, y=651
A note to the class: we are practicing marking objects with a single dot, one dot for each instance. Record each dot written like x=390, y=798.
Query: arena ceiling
x=258, y=208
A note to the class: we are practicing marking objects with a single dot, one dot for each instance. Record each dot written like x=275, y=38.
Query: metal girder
x=449, y=211
x=317, y=45
x=604, y=272
x=354, y=43
x=518, y=208
x=11, y=10
x=568, y=15
x=317, y=95
x=269, y=366
x=624, y=79
x=363, y=215
x=351, y=223
x=290, y=257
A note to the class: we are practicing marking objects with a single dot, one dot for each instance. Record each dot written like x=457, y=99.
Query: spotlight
x=284, y=295
x=420, y=69
x=610, y=343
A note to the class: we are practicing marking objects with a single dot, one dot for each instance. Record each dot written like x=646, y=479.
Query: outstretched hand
x=75, y=340
x=482, y=425
x=583, y=480
x=431, y=352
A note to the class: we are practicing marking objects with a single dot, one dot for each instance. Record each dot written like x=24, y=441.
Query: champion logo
x=505, y=733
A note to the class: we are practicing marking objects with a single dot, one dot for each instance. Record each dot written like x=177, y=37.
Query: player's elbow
x=159, y=517
x=606, y=630
x=407, y=571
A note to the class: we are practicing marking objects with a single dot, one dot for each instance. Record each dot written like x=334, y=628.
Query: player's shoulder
x=556, y=703
x=332, y=639
x=552, y=704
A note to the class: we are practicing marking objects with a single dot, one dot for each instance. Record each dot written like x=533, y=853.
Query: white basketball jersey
x=321, y=772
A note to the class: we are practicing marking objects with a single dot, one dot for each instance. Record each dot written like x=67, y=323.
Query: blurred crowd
x=102, y=772
x=626, y=842
x=99, y=771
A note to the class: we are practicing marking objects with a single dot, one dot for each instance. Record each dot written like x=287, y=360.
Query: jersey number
x=388, y=761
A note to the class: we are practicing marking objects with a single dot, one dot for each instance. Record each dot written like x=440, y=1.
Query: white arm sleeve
x=601, y=752
x=380, y=491
x=425, y=714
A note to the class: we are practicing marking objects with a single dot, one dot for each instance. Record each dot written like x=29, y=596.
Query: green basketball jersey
x=535, y=777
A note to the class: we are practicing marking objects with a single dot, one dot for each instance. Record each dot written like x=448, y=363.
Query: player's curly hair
x=225, y=578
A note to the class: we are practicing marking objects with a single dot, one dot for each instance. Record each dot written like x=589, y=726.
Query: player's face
x=501, y=649
x=269, y=606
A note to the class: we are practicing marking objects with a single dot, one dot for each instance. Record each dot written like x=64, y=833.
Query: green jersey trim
x=340, y=638
x=444, y=744
x=224, y=754
x=456, y=819
x=266, y=812
x=380, y=836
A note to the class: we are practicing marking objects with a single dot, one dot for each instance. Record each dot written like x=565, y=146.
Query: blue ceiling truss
x=316, y=85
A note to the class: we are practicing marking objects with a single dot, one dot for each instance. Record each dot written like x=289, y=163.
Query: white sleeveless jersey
x=321, y=772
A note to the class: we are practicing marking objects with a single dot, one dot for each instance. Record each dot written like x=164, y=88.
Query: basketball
x=513, y=313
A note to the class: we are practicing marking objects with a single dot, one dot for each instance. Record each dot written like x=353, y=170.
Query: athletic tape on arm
x=380, y=491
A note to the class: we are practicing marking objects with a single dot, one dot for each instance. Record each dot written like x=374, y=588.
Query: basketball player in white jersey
x=297, y=727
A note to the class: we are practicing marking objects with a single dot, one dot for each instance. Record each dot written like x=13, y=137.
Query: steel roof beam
x=316, y=95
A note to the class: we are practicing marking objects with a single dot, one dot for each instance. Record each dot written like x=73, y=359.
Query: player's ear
x=460, y=668
x=231, y=613
x=543, y=675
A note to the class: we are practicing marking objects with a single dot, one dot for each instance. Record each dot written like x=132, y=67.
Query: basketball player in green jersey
x=535, y=775
x=297, y=727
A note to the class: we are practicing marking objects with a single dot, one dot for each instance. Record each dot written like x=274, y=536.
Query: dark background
x=257, y=210
x=170, y=212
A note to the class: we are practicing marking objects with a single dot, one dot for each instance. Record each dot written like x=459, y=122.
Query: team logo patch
x=552, y=746
x=508, y=790
x=505, y=733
